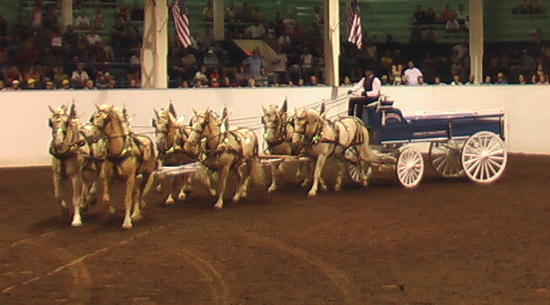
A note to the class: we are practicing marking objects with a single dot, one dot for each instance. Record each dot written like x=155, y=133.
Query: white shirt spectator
x=280, y=62
x=82, y=21
x=255, y=31
x=82, y=76
x=93, y=38
x=411, y=76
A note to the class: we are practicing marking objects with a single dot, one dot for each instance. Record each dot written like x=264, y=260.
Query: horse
x=278, y=132
x=224, y=150
x=323, y=138
x=171, y=134
x=127, y=155
x=75, y=156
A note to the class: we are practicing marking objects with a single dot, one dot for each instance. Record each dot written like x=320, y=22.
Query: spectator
x=306, y=63
x=19, y=28
x=257, y=15
x=108, y=52
x=456, y=80
x=188, y=63
x=89, y=85
x=226, y=83
x=102, y=78
x=419, y=16
x=133, y=84
x=421, y=81
x=31, y=84
x=3, y=27
x=255, y=31
x=542, y=80
x=521, y=80
x=461, y=14
x=14, y=74
x=2, y=86
x=241, y=77
x=471, y=80
x=447, y=14
x=82, y=22
x=347, y=81
x=93, y=42
x=317, y=17
x=118, y=34
x=14, y=86
x=214, y=83
x=198, y=84
x=385, y=80
x=36, y=16
x=208, y=11
x=314, y=82
x=122, y=11
x=501, y=79
x=230, y=12
x=111, y=83
x=131, y=33
x=99, y=20
x=49, y=85
x=280, y=66
x=487, y=81
x=201, y=76
x=210, y=60
x=79, y=76
x=34, y=73
x=255, y=64
x=251, y=83
x=438, y=82
x=452, y=25
x=184, y=84
x=207, y=40
x=70, y=38
x=66, y=84
x=49, y=18
x=245, y=14
x=215, y=74
x=411, y=74
x=136, y=13
x=430, y=16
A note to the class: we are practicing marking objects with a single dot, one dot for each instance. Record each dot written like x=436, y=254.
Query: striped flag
x=181, y=22
x=354, y=24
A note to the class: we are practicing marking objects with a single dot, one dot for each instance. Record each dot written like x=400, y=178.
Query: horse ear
x=284, y=107
x=72, y=111
x=172, y=110
x=195, y=111
x=51, y=109
x=96, y=106
x=263, y=109
x=323, y=110
x=156, y=113
x=225, y=114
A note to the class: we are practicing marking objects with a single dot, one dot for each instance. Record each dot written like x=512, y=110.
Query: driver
x=369, y=87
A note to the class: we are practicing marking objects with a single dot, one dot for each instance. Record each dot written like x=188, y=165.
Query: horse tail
x=366, y=153
x=257, y=172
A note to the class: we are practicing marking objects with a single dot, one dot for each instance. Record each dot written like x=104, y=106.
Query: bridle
x=316, y=135
x=200, y=132
x=69, y=128
x=107, y=116
x=279, y=126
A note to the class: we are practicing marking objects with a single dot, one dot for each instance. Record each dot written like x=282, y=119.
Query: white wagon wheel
x=484, y=157
x=445, y=158
x=410, y=167
x=356, y=172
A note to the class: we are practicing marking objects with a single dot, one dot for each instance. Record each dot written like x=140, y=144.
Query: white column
x=161, y=45
x=475, y=9
x=218, y=22
x=332, y=42
x=66, y=12
x=148, y=46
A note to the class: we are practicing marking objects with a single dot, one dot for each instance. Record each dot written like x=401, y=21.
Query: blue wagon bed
x=460, y=143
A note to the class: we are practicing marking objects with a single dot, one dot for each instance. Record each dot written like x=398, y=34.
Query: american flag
x=354, y=24
x=181, y=21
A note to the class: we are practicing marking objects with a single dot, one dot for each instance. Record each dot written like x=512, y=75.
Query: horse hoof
x=169, y=200
x=304, y=184
x=182, y=196
x=271, y=189
x=218, y=206
x=136, y=217
x=159, y=188
x=127, y=225
x=112, y=210
x=76, y=224
x=311, y=193
x=337, y=188
x=365, y=183
x=213, y=193
x=236, y=198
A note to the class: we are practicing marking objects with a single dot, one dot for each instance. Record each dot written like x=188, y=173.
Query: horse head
x=205, y=125
x=275, y=121
x=307, y=124
x=166, y=126
x=64, y=124
x=111, y=121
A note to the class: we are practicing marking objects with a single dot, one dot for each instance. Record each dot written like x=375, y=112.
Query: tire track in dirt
x=341, y=280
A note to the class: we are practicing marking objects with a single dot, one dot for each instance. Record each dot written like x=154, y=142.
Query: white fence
x=26, y=134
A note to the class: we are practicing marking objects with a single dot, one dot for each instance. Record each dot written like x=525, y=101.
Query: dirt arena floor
x=449, y=241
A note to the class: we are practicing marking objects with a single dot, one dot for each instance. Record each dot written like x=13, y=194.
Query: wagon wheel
x=484, y=157
x=355, y=171
x=445, y=158
x=410, y=167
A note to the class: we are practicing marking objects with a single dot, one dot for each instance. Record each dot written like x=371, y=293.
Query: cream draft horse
x=278, y=132
x=127, y=155
x=76, y=156
x=171, y=134
x=324, y=138
x=226, y=150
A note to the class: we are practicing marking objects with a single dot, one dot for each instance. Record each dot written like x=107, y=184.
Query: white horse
x=171, y=134
x=324, y=138
x=278, y=132
x=127, y=155
x=224, y=149
x=75, y=156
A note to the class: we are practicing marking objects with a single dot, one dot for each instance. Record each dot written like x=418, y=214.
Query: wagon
x=460, y=143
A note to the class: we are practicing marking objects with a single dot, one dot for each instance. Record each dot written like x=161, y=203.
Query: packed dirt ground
x=449, y=241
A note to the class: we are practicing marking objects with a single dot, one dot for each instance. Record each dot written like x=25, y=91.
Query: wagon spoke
x=484, y=163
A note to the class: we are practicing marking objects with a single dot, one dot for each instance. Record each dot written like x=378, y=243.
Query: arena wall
x=26, y=134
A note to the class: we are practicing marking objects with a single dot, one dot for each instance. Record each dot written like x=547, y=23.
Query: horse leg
x=340, y=176
x=319, y=164
x=224, y=172
x=76, y=180
x=139, y=200
x=183, y=186
x=128, y=200
x=240, y=181
x=58, y=188
x=274, y=169
x=171, y=187
x=106, y=177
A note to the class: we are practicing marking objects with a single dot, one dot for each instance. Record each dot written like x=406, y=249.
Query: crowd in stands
x=527, y=7
x=90, y=54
